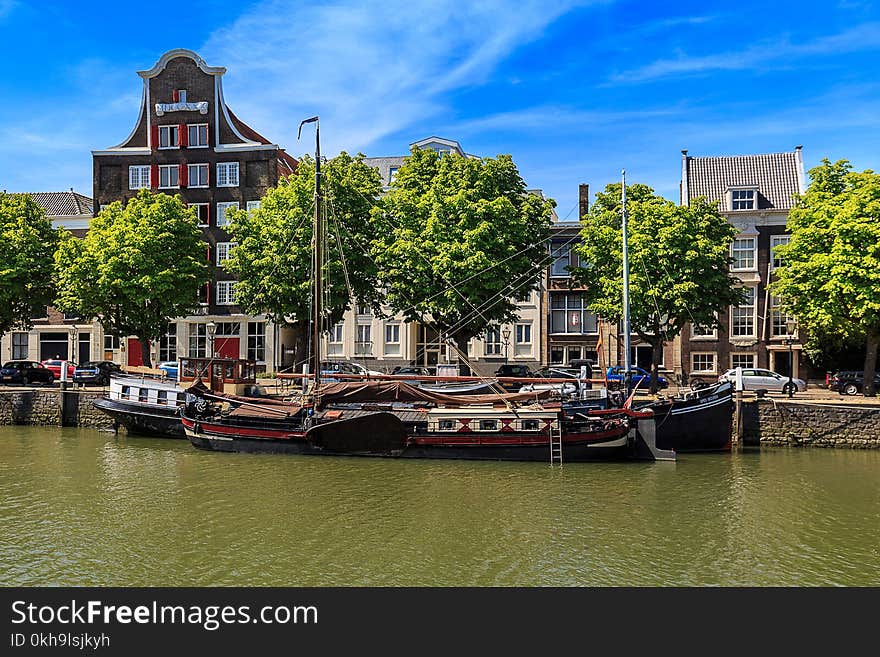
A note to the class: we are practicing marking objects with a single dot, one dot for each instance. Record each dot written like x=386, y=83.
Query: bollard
x=63, y=375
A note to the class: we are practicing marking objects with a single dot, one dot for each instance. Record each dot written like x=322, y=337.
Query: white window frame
x=227, y=297
x=704, y=355
x=189, y=175
x=256, y=341
x=743, y=354
x=252, y=205
x=226, y=172
x=736, y=311
x=777, y=240
x=363, y=344
x=222, y=250
x=392, y=174
x=168, y=131
x=522, y=339
x=141, y=172
x=337, y=336
x=220, y=218
x=199, y=214
x=392, y=339
x=709, y=335
x=173, y=171
x=778, y=319
x=493, y=342
x=734, y=249
x=189, y=141
x=743, y=196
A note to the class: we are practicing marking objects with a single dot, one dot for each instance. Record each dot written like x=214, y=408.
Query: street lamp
x=506, y=335
x=791, y=326
x=212, y=329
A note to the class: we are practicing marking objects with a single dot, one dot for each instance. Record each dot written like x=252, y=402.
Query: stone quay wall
x=775, y=422
x=69, y=408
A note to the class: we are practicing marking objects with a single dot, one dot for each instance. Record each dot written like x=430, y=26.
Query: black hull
x=703, y=424
x=142, y=419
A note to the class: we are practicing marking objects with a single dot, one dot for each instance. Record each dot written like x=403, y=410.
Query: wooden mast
x=317, y=258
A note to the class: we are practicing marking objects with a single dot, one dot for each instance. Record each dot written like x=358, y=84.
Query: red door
x=226, y=347
x=135, y=358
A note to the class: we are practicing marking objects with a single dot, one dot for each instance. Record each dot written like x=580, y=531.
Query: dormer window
x=743, y=199
x=181, y=95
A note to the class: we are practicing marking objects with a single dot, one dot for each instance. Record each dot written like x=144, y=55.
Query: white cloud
x=369, y=69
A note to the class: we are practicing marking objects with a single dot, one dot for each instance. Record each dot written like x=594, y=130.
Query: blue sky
x=574, y=91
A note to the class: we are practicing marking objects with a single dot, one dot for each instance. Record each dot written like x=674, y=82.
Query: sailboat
x=396, y=419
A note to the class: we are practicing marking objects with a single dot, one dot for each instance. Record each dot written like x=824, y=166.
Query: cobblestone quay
x=782, y=422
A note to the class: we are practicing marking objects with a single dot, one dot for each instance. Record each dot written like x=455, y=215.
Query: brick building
x=755, y=193
x=187, y=141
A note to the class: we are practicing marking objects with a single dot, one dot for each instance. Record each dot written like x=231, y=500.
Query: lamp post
x=212, y=329
x=506, y=335
x=73, y=331
x=791, y=326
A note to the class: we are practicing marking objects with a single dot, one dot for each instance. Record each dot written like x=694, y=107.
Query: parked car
x=25, y=372
x=639, y=378
x=54, y=366
x=757, y=379
x=849, y=382
x=331, y=367
x=411, y=371
x=169, y=367
x=514, y=370
x=95, y=371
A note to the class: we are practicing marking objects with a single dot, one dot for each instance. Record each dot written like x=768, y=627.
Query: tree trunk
x=656, y=357
x=300, y=345
x=145, y=352
x=870, y=364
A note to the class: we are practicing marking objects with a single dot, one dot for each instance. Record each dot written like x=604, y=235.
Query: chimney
x=583, y=200
x=683, y=185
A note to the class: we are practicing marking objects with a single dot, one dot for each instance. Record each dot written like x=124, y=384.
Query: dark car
x=511, y=371
x=639, y=378
x=411, y=371
x=96, y=371
x=25, y=372
x=849, y=382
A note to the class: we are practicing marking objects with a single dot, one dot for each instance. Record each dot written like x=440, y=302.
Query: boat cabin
x=233, y=376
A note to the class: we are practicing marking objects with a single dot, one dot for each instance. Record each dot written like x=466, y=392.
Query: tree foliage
x=679, y=259
x=458, y=240
x=273, y=256
x=27, y=249
x=831, y=277
x=137, y=268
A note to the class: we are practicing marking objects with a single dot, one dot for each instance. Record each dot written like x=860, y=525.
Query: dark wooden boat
x=144, y=406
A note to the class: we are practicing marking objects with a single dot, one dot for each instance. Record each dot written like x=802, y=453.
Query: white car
x=758, y=379
x=563, y=389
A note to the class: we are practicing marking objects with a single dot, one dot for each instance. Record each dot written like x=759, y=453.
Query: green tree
x=458, y=240
x=273, y=254
x=679, y=259
x=831, y=277
x=137, y=268
x=26, y=260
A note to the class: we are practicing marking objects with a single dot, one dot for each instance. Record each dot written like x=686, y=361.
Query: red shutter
x=154, y=176
x=175, y=96
x=208, y=175
x=183, y=135
x=208, y=135
x=183, y=176
x=208, y=253
x=154, y=137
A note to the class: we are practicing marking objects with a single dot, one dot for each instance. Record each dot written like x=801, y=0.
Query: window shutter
x=208, y=253
x=208, y=135
x=182, y=176
x=208, y=174
x=183, y=135
x=175, y=96
x=154, y=136
x=154, y=176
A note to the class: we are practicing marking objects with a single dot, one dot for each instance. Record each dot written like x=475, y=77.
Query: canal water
x=81, y=507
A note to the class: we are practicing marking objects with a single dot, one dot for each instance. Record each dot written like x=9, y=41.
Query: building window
x=227, y=174
x=702, y=362
x=523, y=339
x=252, y=205
x=392, y=174
x=203, y=211
x=779, y=319
x=336, y=333
x=168, y=174
x=569, y=314
x=561, y=254
x=703, y=332
x=493, y=341
x=198, y=340
x=222, y=249
x=392, y=339
x=168, y=137
x=743, y=320
x=557, y=355
x=743, y=252
x=742, y=199
x=363, y=345
x=198, y=135
x=225, y=293
x=742, y=360
x=778, y=240
x=447, y=425
x=168, y=344
x=197, y=175
x=139, y=177
x=221, y=212
x=256, y=346
x=19, y=346
x=364, y=310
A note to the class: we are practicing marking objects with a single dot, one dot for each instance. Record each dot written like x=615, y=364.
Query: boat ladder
x=555, y=445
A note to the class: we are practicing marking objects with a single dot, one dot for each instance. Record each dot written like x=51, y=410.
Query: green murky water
x=80, y=507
